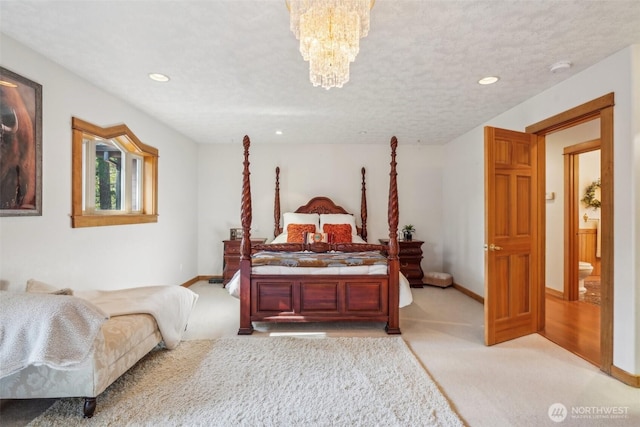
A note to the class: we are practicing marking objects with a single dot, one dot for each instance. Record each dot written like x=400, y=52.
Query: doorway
x=496, y=282
x=582, y=229
x=601, y=108
x=572, y=312
x=573, y=163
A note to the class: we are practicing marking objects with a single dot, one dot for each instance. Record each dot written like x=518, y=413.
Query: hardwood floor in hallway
x=575, y=326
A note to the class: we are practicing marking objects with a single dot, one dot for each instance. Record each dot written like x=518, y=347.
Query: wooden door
x=511, y=282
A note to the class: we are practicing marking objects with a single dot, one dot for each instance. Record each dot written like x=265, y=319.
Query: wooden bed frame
x=319, y=298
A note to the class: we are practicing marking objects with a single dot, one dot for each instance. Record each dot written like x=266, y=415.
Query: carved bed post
x=276, y=206
x=363, y=207
x=393, y=326
x=246, y=328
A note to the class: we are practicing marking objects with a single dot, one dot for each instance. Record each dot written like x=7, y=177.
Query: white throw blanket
x=44, y=329
x=170, y=305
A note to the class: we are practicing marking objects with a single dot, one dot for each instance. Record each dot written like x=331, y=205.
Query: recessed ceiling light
x=488, y=80
x=158, y=77
x=560, y=66
x=278, y=132
x=363, y=132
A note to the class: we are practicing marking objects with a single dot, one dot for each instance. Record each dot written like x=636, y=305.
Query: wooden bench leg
x=89, y=406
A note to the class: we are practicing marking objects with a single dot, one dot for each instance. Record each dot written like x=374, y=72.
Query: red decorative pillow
x=296, y=232
x=341, y=232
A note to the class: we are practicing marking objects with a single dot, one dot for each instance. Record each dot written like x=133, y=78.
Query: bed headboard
x=322, y=205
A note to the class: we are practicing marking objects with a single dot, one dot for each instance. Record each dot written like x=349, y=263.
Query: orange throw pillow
x=341, y=232
x=296, y=232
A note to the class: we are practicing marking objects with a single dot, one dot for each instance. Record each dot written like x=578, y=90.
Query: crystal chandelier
x=329, y=32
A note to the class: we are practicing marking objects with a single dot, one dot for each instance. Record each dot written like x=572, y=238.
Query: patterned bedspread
x=312, y=259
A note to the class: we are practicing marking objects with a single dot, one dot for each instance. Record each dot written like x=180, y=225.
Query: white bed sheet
x=406, y=297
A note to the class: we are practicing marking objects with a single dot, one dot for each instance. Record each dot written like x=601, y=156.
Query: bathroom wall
x=590, y=171
x=589, y=244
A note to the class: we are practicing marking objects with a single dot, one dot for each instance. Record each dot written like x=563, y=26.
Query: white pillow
x=339, y=219
x=280, y=238
x=357, y=239
x=301, y=218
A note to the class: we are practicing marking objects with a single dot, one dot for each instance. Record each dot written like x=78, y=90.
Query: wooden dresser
x=410, y=255
x=231, y=260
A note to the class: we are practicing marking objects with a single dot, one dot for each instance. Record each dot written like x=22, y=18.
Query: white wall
x=589, y=170
x=635, y=197
x=46, y=247
x=320, y=170
x=554, y=266
x=463, y=208
x=463, y=200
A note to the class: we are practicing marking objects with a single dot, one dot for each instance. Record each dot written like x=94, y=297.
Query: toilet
x=584, y=271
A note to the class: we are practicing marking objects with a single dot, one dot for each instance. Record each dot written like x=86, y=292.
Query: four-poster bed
x=289, y=280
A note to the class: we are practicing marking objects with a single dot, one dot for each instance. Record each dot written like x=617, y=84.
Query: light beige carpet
x=274, y=381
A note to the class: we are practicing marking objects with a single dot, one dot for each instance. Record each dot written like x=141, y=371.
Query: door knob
x=493, y=247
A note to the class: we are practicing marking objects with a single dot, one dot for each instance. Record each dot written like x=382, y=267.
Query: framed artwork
x=20, y=145
x=235, y=234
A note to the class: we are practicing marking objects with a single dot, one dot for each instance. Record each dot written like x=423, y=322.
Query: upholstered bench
x=441, y=280
x=78, y=346
x=122, y=341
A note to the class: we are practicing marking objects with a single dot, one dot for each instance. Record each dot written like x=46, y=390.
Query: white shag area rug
x=274, y=381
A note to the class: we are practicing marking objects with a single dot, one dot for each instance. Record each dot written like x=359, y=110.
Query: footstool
x=442, y=280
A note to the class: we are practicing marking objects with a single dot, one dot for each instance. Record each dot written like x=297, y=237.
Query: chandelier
x=329, y=32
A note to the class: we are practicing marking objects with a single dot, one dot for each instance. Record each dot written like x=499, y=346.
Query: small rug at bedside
x=274, y=381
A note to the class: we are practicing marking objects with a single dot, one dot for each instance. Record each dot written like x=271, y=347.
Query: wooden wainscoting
x=587, y=241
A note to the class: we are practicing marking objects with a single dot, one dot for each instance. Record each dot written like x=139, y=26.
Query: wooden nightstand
x=410, y=255
x=231, y=260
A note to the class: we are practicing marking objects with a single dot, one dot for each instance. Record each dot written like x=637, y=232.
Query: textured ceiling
x=235, y=67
